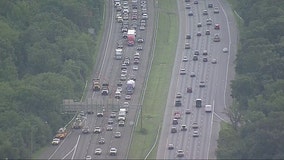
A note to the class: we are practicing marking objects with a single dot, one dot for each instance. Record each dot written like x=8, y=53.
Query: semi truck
x=96, y=84
x=118, y=53
x=131, y=35
x=105, y=89
x=130, y=85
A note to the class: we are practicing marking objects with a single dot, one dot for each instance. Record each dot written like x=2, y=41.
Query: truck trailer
x=131, y=35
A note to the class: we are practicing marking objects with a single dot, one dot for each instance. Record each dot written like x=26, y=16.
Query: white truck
x=122, y=114
x=118, y=53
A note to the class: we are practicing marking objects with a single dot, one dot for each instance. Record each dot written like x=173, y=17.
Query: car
x=142, y=28
x=112, y=115
x=136, y=61
x=210, y=5
x=55, y=141
x=209, y=21
x=195, y=58
x=214, y=61
x=196, y=52
x=112, y=151
x=182, y=71
x=198, y=34
x=175, y=121
x=117, y=134
x=207, y=32
x=170, y=146
x=134, y=17
x=205, y=12
x=90, y=112
x=205, y=59
x=178, y=95
x=121, y=123
x=195, y=133
x=192, y=74
x=180, y=153
x=195, y=2
x=177, y=115
x=109, y=128
x=110, y=121
x=126, y=61
x=189, y=90
x=100, y=114
x=140, y=40
x=208, y=108
x=201, y=84
x=188, y=36
x=199, y=24
x=194, y=125
x=98, y=151
x=101, y=141
x=144, y=16
x=187, y=0
x=187, y=6
x=205, y=52
x=97, y=130
x=139, y=47
x=125, y=104
x=173, y=130
x=85, y=130
x=183, y=127
x=88, y=157
x=216, y=38
x=187, y=46
x=216, y=10
x=184, y=59
x=217, y=26
x=135, y=67
x=187, y=111
x=225, y=50
x=128, y=97
x=190, y=13
x=178, y=103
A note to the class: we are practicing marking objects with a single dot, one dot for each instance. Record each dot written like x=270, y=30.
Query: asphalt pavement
x=216, y=77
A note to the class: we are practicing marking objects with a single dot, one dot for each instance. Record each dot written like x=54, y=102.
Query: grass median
x=158, y=83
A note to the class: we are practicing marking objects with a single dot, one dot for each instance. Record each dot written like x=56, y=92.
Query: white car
x=98, y=151
x=113, y=151
x=88, y=157
x=184, y=59
x=195, y=133
x=135, y=67
x=97, y=130
x=225, y=50
x=214, y=61
x=55, y=141
x=208, y=108
x=117, y=134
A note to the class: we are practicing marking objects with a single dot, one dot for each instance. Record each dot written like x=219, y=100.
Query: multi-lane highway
x=78, y=145
x=215, y=75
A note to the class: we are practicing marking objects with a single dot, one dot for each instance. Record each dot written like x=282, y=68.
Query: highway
x=78, y=145
x=216, y=77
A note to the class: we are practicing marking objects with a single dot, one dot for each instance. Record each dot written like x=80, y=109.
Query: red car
x=177, y=115
x=217, y=26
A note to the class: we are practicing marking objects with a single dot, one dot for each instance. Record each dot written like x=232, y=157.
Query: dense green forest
x=257, y=115
x=46, y=55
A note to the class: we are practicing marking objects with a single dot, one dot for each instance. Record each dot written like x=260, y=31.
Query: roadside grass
x=158, y=83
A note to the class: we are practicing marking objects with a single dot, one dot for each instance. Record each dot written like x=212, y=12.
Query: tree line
x=257, y=114
x=46, y=55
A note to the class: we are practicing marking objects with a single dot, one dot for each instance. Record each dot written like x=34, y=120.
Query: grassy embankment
x=158, y=82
